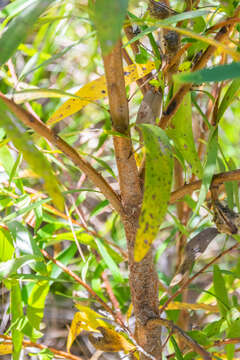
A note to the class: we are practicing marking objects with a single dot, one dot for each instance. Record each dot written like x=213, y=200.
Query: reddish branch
x=217, y=180
x=41, y=129
x=86, y=286
x=191, y=279
x=142, y=276
x=57, y=353
x=177, y=99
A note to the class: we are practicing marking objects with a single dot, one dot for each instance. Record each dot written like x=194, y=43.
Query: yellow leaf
x=5, y=349
x=96, y=90
x=179, y=306
x=87, y=319
x=110, y=341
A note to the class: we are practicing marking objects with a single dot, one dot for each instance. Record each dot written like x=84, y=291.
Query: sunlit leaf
x=216, y=73
x=10, y=267
x=110, y=341
x=220, y=291
x=157, y=187
x=16, y=312
x=19, y=27
x=33, y=94
x=111, y=14
x=31, y=154
x=5, y=349
x=109, y=261
x=180, y=131
x=209, y=168
x=230, y=95
x=96, y=90
x=87, y=319
x=36, y=301
x=6, y=245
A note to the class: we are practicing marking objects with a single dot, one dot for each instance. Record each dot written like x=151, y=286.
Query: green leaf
x=23, y=239
x=157, y=187
x=15, y=7
x=216, y=73
x=17, y=312
x=108, y=18
x=64, y=257
x=31, y=154
x=19, y=27
x=98, y=209
x=178, y=353
x=6, y=159
x=108, y=260
x=209, y=168
x=142, y=56
x=180, y=131
x=220, y=291
x=6, y=245
x=199, y=337
x=36, y=301
x=10, y=267
x=230, y=95
x=171, y=20
x=230, y=350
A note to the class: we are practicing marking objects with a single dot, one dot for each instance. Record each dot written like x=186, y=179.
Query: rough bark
x=142, y=275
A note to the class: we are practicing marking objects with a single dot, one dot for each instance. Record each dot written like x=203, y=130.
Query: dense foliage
x=96, y=175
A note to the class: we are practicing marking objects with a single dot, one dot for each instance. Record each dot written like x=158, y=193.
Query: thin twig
x=217, y=179
x=41, y=129
x=179, y=291
x=57, y=353
x=86, y=286
x=111, y=295
x=182, y=335
x=177, y=99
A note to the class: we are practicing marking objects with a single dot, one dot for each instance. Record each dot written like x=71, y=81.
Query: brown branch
x=86, y=286
x=177, y=99
x=143, y=277
x=226, y=341
x=41, y=129
x=179, y=291
x=111, y=295
x=142, y=83
x=217, y=179
x=57, y=353
x=182, y=335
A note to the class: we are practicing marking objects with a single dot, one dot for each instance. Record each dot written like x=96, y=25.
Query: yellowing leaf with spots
x=96, y=90
x=86, y=319
x=180, y=131
x=157, y=187
x=110, y=341
x=6, y=349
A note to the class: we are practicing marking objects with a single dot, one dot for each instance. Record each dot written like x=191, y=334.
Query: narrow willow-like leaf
x=10, y=267
x=6, y=245
x=220, y=291
x=19, y=27
x=170, y=20
x=157, y=187
x=96, y=90
x=216, y=73
x=16, y=312
x=108, y=18
x=36, y=301
x=180, y=131
x=232, y=91
x=31, y=154
x=209, y=168
x=109, y=261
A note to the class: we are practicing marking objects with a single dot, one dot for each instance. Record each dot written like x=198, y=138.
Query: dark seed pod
x=159, y=10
